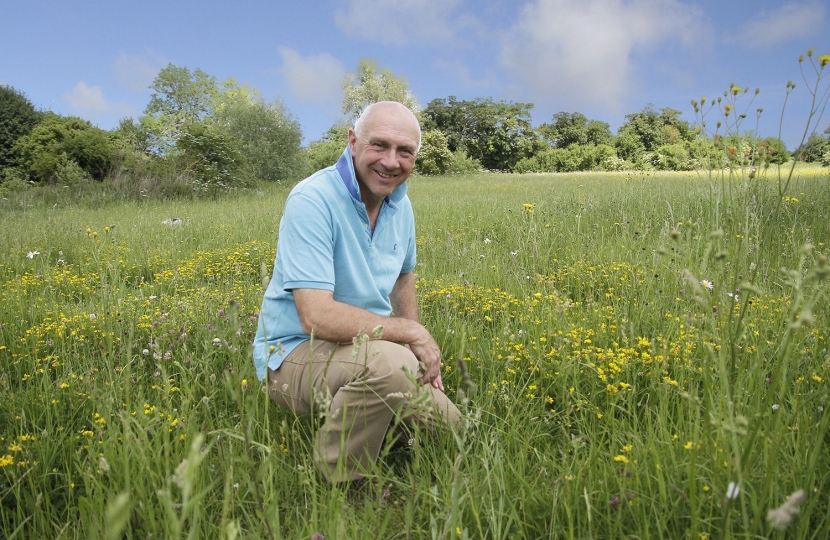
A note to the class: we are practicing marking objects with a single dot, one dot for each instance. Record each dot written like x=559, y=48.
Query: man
x=345, y=256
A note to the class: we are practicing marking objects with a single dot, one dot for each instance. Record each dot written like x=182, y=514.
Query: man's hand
x=429, y=355
x=338, y=322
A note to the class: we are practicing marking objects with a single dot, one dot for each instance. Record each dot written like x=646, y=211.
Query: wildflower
x=824, y=59
x=31, y=254
x=615, y=501
x=775, y=406
x=689, y=445
x=732, y=491
x=779, y=518
x=528, y=208
x=621, y=458
x=707, y=284
x=103, y=465
x=487, y=240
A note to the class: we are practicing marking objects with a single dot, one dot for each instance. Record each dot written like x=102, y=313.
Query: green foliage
x=648, y=130
x=58, y=139
x=705, y=153
x=575, y=157
x=575, y=128
x=461, y=163
x=434, y=157
x=17, y=118
x=209, y=156
x=12, y=181
x=497, y=134
x=180, y=98
x=672, y=157
x=813, y=149
x=267, y=136
x=325, y=151
x=368, y=85
x=773, y=150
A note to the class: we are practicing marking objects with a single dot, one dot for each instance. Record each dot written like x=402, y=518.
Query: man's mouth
x=384, y=175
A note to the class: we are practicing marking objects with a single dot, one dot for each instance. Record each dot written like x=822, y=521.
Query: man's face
x=385, y=152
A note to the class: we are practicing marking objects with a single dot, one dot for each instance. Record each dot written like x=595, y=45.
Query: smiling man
x=338, y=330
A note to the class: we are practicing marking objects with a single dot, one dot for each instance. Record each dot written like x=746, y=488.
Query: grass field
x=648, y=358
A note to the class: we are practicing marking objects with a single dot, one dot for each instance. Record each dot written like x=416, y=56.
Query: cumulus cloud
x=312, y=79
x=136, y=72
x=586, y=53
x=398, y=22
x=790, y=21
x=89, y=102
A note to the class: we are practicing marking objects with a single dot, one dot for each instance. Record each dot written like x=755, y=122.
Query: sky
x=603, y=58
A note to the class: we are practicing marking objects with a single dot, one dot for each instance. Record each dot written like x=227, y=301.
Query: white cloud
x=136, y=72
x=399, y=22
x=790, y=21
x=586, y=53
x=312, y=79
x=89, y=102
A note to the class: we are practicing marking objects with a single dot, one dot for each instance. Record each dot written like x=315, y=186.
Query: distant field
x=649, y=352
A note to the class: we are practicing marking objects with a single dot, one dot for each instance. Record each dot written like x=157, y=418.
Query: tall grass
x=636, y=344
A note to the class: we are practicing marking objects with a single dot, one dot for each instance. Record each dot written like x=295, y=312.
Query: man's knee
x=395, y=364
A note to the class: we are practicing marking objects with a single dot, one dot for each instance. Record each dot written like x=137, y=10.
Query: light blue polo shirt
x=325, y=242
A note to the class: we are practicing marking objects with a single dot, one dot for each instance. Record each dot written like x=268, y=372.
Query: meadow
x=636, y=355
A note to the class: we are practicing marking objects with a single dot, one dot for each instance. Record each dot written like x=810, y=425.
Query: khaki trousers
x=360, y=390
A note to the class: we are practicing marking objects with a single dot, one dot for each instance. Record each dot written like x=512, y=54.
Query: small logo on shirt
x=394, y=247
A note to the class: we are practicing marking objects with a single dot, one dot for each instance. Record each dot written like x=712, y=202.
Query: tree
x=326, y=150
x=813, y=149
x=211, y=159
x=17, y=118
x=575, y=128
x=435, y=157
x=266, y=134
x=647, y=130
x=368, y=85
x=179, y=97
x=57, y=140
x=497, y=134
x=773, y=150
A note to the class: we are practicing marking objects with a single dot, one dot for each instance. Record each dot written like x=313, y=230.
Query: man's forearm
x=330, y=320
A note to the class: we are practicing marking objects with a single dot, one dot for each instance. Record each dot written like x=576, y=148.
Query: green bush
x=17, y=118
x=57, y=139
x=461, y=163
x=434, y=157
x=12, y=181
x=210, y=157
x=672, y=157
x=326, y=150
x=267, y=136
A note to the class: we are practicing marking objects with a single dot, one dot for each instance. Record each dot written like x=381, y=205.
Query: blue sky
x=603, y=58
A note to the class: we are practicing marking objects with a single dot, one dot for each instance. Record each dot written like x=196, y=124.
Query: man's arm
x=403, y=297
x=335, y=321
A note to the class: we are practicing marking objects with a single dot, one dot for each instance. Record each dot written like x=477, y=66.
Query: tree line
x=199, y=134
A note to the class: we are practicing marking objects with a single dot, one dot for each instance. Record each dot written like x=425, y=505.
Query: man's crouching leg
x=380, y=384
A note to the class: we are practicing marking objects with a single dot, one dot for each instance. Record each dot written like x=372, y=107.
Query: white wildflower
x=708, y=284
x=487, y=240
x=732, y=491
x=31, y=254
x=779, y=518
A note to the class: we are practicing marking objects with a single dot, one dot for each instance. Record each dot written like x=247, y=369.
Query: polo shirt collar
x=345, y=166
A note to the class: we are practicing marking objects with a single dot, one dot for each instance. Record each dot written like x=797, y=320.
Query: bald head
x=390, y=112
